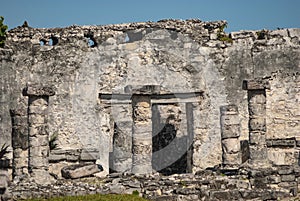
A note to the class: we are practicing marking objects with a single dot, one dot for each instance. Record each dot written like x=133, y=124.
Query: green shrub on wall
x=3, y=29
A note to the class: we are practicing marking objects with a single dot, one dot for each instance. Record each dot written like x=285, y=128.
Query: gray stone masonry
x=141, y=134
x=19, y=142
x=246, y=184
x=257, y=121
x=190, y=69
x=230, y=131
x=38, y=136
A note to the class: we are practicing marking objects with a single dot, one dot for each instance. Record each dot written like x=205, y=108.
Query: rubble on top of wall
x=196, y=29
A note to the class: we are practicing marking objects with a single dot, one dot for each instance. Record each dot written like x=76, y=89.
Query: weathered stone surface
x=142, y=89
x=39, y=90
x=258, y=153
x=41, y=176
x=231, y=146
x=173, y=55
x=287, y=178
x=142, y=135
x=230, y=120
x=232, y=159
x=229, y=110
x=68, y=155
x=4, y=179
x=207, y=186
x=245, y=152
x=257, y=138
x=89, y=155
x=281, y=157
x=274, y=179
x=281, y=143
x=231, y=131
x=81, y=170
x=257, y=124
x=256, y=84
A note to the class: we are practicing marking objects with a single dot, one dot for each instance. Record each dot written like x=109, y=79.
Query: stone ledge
x=142, y=89
x=258, y=84
x=89, y=155
x=38, y=90
x=289, y=142
x=64, y=155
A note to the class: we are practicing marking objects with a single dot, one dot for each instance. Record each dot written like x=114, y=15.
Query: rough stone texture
x=230, y=126
x=141, y=135
x=78, y=171
x=283, y=111
x=259, y=184
x=19, y=142
x=257, y=121
x=178, y=64
x=38, y=138
x=4, y=180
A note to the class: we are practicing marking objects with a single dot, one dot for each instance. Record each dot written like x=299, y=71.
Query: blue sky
x=240, y=14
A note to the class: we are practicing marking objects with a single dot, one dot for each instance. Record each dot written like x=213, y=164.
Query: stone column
x=38, y=135
x=141, y=127
x=141, y=134
x=19, y=141
x=257, y=121
x=230, y=133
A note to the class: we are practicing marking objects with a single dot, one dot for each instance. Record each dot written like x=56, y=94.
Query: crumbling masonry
x=171, y=97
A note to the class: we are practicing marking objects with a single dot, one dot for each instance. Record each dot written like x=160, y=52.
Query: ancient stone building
x=171, y=96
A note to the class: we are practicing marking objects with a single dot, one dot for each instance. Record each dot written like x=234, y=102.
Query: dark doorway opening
x=171, y=143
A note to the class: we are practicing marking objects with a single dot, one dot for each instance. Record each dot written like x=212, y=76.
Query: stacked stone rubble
x=38, y=99
x=261, y=184
x=230, y=131
x=257, y=121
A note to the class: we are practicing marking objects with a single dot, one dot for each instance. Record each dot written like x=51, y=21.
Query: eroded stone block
x=231, y=146
x=281, y=157
x=257, y=138
x=80, y=170
x=231, y=159
x=257, y=124
x=258, y=153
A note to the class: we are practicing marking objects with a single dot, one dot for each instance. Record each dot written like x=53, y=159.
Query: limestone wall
x=179, y=56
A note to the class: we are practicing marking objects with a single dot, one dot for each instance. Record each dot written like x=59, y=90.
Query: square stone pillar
x=230, y=131
x=257, y=121
x=38, y=139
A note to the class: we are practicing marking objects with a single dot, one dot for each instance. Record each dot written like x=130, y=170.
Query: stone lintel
x=38, y=90
x=142, y=89
x=257, y=84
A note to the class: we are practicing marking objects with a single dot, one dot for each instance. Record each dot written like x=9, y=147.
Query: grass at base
x=96, y=197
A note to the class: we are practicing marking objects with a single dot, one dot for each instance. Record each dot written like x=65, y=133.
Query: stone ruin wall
x=180, y=57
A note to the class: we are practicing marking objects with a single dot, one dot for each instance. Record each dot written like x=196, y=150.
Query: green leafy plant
x=3, y=150
x=222, y=36
x=183, y=183
x=3, y=29
x=52, y=141
x=135, y=193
